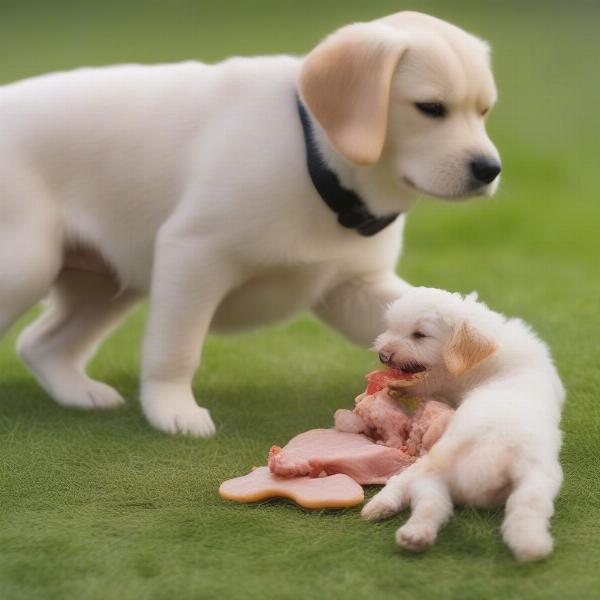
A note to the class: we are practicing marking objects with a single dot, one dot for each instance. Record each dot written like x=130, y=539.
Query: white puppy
x=190, y=182
x=503, y=442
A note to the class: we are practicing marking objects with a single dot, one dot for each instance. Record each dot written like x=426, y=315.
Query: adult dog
x=190, y=182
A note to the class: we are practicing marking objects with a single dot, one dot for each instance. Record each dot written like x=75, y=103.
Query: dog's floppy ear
x=345, y=82
x=466, y=349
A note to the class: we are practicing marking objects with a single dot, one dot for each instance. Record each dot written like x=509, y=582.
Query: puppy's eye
x=418, y=335
x=435, y=110
x=485, y=111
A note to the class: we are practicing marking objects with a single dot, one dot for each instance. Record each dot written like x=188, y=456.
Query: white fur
x=189, y=182
x=503, y=442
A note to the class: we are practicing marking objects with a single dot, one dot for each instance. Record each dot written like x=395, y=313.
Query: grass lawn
x=98, y=505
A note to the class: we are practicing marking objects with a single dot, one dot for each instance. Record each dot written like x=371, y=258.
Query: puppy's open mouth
x=396, y=376
x=407, y=369
x=401, y=375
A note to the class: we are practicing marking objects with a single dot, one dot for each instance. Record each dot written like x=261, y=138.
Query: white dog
x=501, y=445
x=190, y=182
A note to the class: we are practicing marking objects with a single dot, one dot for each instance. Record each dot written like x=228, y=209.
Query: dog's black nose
x=485, y=170
x=385, y=357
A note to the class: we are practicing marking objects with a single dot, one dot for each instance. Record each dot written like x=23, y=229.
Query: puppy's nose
x=385, y=357
x=484, y=169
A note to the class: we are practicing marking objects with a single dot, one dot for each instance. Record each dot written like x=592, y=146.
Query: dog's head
x=412, y=92
x=437, y=332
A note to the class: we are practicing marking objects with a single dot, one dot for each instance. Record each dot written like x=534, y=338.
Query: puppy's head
x=436, y=331
x=409, y=92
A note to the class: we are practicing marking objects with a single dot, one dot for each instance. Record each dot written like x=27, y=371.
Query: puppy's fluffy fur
x=502, y=444
x=189, y=182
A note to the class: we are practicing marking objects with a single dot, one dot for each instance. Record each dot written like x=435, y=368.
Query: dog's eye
x=485, y=111
x=418, y=335
x=435, y=110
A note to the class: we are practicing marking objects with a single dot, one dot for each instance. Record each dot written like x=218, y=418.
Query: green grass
x=98, y=505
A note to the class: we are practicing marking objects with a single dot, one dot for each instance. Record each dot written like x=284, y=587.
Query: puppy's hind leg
x=82, y=309
x=528, y=511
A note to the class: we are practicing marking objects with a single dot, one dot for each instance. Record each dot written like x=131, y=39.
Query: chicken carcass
x=386, y=432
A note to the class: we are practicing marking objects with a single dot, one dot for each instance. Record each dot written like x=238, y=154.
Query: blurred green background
x=101, y=506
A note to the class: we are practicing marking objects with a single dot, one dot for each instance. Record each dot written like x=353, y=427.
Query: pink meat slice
x=328, y=451
x=336, y=491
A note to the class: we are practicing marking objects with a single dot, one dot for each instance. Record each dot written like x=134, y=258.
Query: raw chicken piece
x=336, y=491
x=329, y=451
x=386, y=432
x=388, y=421
x=429, y=423
x=348, y=421
x=379, y=416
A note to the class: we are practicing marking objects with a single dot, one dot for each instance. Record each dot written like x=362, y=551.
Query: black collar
x=351, y=210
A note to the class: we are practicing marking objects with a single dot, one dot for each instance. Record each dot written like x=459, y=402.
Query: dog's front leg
x=357, y=306
x=190, y=278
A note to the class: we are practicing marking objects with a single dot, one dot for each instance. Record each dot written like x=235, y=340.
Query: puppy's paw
x=173, y=412
x=528, y=544
x=381, y=506
x=416, y=536
x=86, y=394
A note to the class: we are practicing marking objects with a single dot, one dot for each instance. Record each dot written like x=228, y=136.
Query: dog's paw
x=381, y=506
x=68, y=386
x=193, y=420
x=535, y=549
x=417, y=536
x=86, y=394
x=528, y=544
x=176, y=412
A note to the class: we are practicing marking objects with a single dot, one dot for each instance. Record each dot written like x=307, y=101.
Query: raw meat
x=392, y=379
x=329, y=451
x=386, y=432
x=379, y=416
x=336, y=491
x=402, y=439
x=396, y=420
x=429, y=423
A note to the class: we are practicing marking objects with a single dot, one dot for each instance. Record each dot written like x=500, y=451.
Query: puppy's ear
x=466, y=349
x=345, y=82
